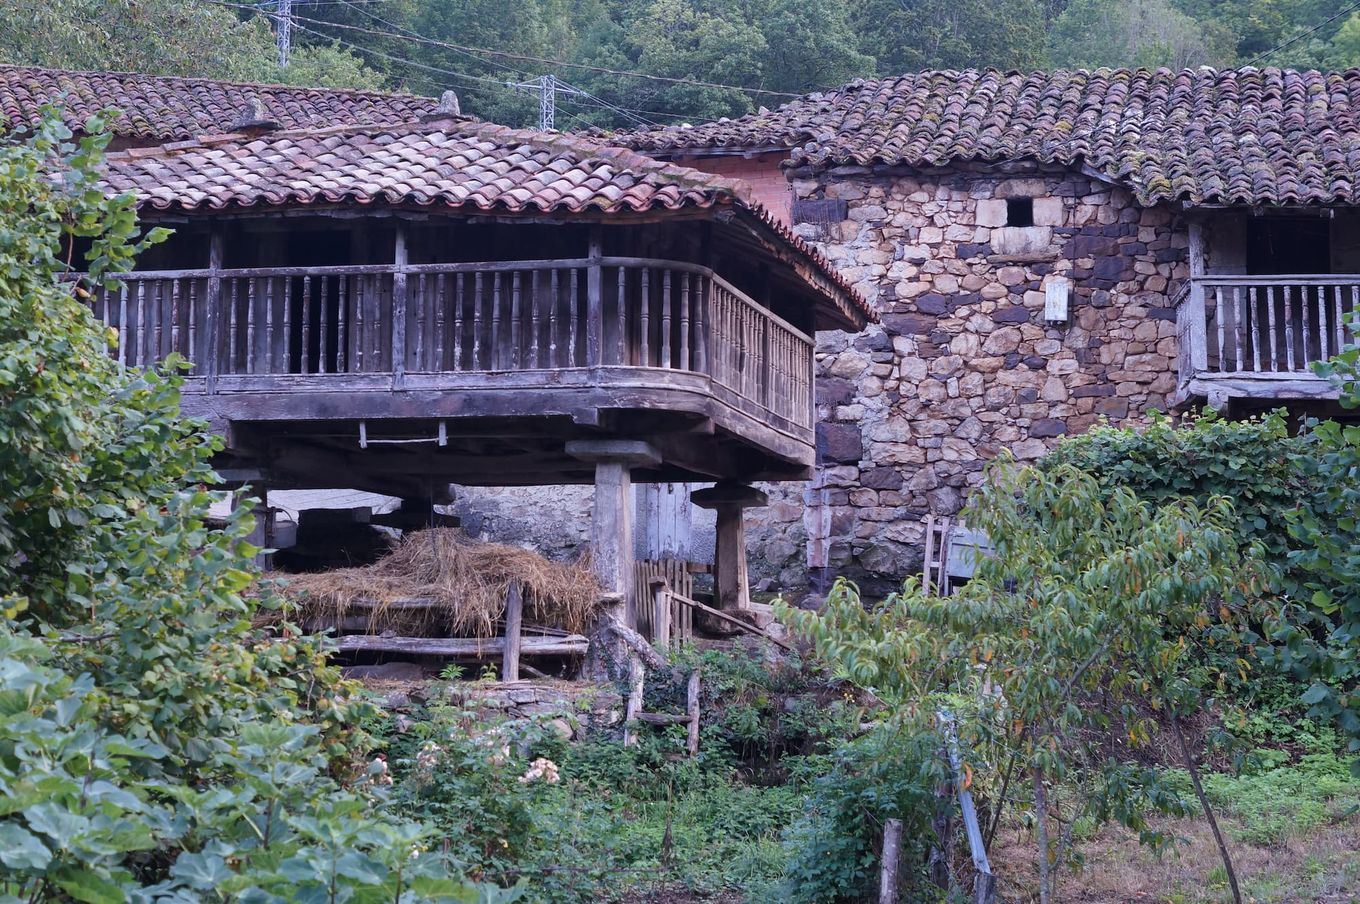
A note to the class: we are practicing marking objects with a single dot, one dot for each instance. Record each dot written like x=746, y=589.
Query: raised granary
x=398, y=308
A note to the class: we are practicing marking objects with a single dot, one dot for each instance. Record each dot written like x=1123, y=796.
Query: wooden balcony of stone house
x=1267, y=298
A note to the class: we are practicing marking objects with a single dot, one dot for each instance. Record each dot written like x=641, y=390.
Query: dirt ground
x=1322, y=867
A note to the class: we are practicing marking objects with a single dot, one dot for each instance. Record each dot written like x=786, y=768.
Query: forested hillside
x=633, y=62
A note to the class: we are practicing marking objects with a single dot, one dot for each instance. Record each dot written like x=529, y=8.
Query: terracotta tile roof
x=1236, y=136
x=166, y=108
x=447, y=163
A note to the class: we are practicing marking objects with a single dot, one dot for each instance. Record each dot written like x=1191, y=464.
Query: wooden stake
x=634, y=704
x=514, y=617
x=661, y=616
x=892, y=851
x=692, y=709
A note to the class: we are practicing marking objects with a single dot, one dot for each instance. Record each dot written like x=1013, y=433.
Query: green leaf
x=56, y=822
x=1316, y=694
x=20, y=849
x=202, y=871
x=88, y=886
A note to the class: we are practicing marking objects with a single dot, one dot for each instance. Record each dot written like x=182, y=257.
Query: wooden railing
x=1263, y=325
x=464, y=318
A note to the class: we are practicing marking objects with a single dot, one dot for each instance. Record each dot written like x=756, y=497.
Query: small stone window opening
x=1019, y=211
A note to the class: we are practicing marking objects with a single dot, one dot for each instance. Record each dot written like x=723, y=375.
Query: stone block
x=1012, y=241
x=1002, y=341
x=991, y=212
x=882, y=479
x=1048, y=212
x=839, y=443
x=1020, y=188
x=1048, y=427
x=835, y=391
x=908, y=324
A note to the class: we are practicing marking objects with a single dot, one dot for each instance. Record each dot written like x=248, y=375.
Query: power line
x=569, y=92
x=1314, y=30
x=415, y=36
x=529, y=58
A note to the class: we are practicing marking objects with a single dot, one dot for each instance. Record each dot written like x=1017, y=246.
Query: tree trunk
x=1041, y=821
x=1204, y=803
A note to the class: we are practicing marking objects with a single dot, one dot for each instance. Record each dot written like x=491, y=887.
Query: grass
x=1293, y=830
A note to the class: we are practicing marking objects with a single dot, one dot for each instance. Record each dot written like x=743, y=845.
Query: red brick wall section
x=768, y=183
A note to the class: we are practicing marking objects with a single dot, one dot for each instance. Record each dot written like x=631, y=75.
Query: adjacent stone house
x=1045, y=250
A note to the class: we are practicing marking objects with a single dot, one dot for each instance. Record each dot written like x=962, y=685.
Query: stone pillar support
x=611, y=523
x=731, y=587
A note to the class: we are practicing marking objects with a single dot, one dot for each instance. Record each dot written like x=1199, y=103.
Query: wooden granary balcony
x=509, y=339
x=1257, y=337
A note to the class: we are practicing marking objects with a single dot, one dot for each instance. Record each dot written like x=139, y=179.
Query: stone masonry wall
x=963, y=364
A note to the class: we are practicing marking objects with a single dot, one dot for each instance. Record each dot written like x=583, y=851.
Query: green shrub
x=832, y=850
x=153, y=745
x=1253, y=462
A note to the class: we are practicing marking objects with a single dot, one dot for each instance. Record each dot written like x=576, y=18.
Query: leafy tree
x=1091, y=605
x=153, y=746
x=1254, y=462
x=811, y=46
x=1328, y=559
x=165, y=37
x=1343, y=50
x=905, y=35
x=1148, y=33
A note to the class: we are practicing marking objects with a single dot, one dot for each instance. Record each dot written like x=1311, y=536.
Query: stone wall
x=964, y=364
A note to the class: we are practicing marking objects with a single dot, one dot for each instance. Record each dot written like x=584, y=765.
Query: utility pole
x=284, y=20
x=547, y=87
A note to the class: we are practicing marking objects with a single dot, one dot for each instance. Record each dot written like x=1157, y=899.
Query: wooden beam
x=692, y=712
x=723, y=616
x=595, y=298
x=464, y=647
x=514, y=619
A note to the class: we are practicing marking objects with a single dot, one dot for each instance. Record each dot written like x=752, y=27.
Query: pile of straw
x=465, y=580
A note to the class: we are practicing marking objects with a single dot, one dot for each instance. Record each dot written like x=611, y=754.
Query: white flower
x=541, y=768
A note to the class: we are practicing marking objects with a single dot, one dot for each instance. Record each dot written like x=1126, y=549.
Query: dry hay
x=464, y=580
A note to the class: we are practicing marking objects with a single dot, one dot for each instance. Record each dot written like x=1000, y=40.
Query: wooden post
x=730, y=583
x=1197, y=333
x=611, y=522
x=634, y=705
x=692, y=710
x=514, y=618
x=892, y=852
x=399, y=258
x=214, y=318
x=595, y=299
x=661, y=616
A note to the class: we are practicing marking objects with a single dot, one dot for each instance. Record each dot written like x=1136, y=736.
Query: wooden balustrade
x=1280, y=324
x=1264, y=332
x=464, y=318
